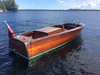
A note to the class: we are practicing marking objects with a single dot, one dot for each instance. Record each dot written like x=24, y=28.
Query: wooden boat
x=34, y=44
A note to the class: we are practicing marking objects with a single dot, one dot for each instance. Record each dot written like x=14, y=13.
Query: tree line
x=8, y=5
x=58, y=10
x=83, y=10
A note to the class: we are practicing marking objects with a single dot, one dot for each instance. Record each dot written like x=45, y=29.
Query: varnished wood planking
x=34, y=44
x=46, y=44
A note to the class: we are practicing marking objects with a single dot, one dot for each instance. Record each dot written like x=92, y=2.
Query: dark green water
x=81, y=53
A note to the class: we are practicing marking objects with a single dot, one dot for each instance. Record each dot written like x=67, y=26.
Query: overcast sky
x=58, y=4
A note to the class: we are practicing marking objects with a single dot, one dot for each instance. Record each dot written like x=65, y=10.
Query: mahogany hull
x=34, y=48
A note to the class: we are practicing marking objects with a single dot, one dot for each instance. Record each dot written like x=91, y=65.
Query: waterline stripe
x=18, y=54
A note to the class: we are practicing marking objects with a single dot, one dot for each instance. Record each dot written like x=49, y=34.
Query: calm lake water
x=81, y=53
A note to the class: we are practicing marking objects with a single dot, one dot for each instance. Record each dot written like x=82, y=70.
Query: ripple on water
x=84, y=53
x=4, y=68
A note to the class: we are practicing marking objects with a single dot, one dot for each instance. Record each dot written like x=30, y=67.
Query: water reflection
x=47, y=62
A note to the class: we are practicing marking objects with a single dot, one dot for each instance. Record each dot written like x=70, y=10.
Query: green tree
x=14, y=7
x=8, y=5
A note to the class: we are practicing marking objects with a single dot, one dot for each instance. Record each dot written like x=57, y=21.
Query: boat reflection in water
x=48, y=61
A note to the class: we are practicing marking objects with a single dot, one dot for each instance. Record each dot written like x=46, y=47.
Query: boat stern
x=18, y=47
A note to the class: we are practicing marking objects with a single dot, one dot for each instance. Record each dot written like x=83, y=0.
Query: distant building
x=1, y=10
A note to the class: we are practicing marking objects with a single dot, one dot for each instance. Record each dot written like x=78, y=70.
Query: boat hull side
x=48, y=51
x=41, y=47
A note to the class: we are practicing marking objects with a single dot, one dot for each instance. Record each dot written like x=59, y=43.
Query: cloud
x=72, y=0
x=93, y=4
x=39, y=0
x=61, y=1
x=80, y=4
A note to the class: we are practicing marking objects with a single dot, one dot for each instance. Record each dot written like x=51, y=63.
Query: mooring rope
x=81, y=70
x=91, y=73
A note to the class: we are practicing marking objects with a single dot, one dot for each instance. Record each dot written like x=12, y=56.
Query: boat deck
x=48, y=29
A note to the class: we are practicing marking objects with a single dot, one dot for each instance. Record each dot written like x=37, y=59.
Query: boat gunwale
x=37, y=39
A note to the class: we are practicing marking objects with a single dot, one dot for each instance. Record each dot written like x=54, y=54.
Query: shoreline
x=54, y=10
